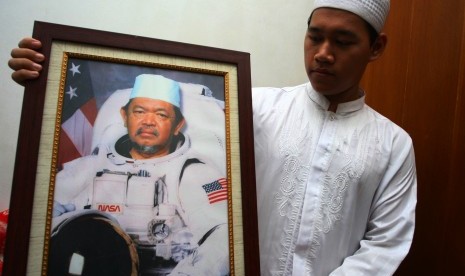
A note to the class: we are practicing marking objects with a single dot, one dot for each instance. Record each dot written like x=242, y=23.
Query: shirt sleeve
x=392, y=218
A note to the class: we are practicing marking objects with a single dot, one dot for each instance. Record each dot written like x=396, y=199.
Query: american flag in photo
x=79, y=112
x=217, y=190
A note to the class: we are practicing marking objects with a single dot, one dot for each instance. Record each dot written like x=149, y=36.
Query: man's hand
x=25, y=60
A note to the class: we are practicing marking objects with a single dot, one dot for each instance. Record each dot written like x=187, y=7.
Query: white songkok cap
x=158, y=88
x=373, y=11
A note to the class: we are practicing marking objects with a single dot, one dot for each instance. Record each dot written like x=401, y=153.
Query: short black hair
x=372, y=33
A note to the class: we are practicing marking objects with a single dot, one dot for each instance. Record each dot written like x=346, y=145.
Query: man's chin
x=145, y=149
x=326, y=93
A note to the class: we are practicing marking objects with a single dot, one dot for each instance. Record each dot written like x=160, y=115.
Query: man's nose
x=149, y=119
x=324, y=53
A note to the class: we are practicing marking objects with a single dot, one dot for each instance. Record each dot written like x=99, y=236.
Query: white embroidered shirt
x=336, y=191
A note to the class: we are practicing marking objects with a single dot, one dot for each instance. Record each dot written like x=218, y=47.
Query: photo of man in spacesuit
x=170, y=199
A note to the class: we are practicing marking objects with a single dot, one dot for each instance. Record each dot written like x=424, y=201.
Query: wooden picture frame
x=31, y=205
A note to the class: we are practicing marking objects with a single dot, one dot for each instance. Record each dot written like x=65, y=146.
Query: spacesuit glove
x=59, y=209
x=210, y=258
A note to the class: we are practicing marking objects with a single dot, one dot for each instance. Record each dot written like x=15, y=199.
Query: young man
x=336, y=181
x=337, y=192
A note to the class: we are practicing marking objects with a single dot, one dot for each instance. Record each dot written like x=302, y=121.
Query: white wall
x=271, y=31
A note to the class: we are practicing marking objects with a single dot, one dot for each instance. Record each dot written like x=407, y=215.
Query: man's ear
x=378, y=47
x=124, y=115
x=179, y=126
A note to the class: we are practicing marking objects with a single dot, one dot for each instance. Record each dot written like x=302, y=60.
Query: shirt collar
x=342, y=108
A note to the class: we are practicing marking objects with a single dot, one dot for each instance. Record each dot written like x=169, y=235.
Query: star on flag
x=71, y=92
x=74, y=69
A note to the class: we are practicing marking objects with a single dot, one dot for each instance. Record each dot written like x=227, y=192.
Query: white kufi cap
x=373, y=11
x=158, y=88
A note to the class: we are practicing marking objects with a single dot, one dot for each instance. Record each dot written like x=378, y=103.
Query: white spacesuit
x=173, y=207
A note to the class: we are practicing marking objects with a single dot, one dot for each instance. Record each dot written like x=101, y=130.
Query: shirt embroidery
x=334, y=189
x=291, y=193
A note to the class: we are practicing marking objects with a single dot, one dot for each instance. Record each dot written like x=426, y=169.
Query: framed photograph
x=135, y=156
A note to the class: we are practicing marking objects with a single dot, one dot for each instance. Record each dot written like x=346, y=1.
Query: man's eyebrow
x=154, y=109
x=346, y=33
x=314, y=29
x=339, y=32
x=138, y=106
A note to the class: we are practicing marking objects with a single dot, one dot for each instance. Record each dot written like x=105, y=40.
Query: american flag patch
x=217, y=190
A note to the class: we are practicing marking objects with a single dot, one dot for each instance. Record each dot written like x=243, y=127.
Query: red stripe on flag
x=67, y=150
x=79, y=131
x=90, y=110
x=212, y=200
x=219, y=192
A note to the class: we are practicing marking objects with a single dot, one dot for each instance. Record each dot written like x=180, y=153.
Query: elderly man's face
x=337, y=49
x=151, y=127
